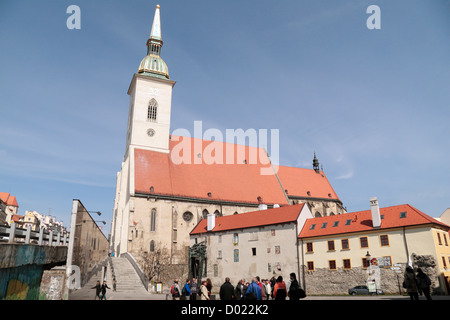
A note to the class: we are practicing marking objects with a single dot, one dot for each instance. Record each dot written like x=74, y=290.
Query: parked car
x=362, y=290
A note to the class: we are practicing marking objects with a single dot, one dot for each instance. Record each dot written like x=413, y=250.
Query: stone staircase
x=127, y=280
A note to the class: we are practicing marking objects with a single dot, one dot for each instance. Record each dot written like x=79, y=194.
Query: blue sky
x=373, y=104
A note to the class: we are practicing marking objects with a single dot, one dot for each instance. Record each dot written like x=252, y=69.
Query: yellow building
x=343, y=251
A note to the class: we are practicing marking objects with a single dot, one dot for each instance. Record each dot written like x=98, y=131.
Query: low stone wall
x=337, y=282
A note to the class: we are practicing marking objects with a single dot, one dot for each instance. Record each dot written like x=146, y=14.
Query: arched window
x=217, y=213
x=317, y=215
x=204, y=214
x=153, y=220
x=152, y=110
x=152, y=245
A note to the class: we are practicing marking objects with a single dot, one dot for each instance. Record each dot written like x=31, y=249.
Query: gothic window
x=205, y=213
x=153, y=220
x=217, y=213
x=152, y=110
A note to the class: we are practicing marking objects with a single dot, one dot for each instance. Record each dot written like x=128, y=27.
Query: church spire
x=154, y=43
x=316, y=164
x=152, y=65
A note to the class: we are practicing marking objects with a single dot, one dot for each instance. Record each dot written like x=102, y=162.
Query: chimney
x=211, y=222
x=375, y=209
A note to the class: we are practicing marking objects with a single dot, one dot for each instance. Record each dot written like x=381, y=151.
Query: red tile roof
x=252, y=219
x=235, y=182
x=362, y=221
x=299, y=181
x=8, y=199
x=239, y=182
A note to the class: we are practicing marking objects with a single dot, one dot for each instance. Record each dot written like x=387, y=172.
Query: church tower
x=148, y=129
x=150, y=98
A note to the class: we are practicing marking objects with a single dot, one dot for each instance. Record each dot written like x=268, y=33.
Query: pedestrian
x=175, y=290
x=372, y=286
x=272, y=282
x=186, y=291
x=226, y=290
x=204, y=291
x=268, y=289
x=209, y=286
x=98, y=289
x=260, y=285
x=279, y=290
x=253, y=291
x=104, y=287
x=423, y=284
x=194, y=289
x=293, y=293
x=239, y=290
x=114, y=284
x=409, y=283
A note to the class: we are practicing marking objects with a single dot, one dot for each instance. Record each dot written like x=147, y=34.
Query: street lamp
x=97, y=212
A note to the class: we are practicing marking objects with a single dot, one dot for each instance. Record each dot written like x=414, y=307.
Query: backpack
x=183, y=291
x=175, y=292
x=250, y=295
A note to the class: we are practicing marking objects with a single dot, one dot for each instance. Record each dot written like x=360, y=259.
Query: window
x=309, y=247
x=365, y=263
x=324, y=225
x=347, y=264
x=205, y=213
x=332, y=264
x=444, y=262
x=347, y=223
x=345, y=245
x=253, y=251
x=152, y=110
x=219, y=254
x=187, y=216
x=403, y=215
x=310, y=265
x=331, y=245
x=272, y=232
x=364, y=242
x=445, y=239
x=153, y=220
x=235, y=239
x=277, y=250
x=387, y=261
x=312, y=226
x=336, y=223
x=236, y=255
x=384, y=240
x=439, y=239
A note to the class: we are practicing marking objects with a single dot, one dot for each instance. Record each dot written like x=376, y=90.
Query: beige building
x=259, y=243
x=335, y=249
x=90, y=246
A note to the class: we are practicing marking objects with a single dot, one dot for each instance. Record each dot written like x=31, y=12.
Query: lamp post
x=368, y=256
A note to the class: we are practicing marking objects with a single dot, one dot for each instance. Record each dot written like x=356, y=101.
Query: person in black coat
x=226, y=290
x=98, y=289
x=293, y=289
x=104, y=287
